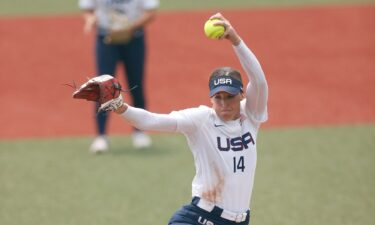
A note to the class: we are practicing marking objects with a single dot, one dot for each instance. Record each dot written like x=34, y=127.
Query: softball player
x=222, y=139
x=120, y=37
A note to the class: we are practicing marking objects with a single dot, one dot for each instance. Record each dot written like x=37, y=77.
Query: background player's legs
x=133, y=55
x=106, y=60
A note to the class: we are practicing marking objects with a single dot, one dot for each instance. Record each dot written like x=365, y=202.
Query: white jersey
x=107, y=11
x=224, y=151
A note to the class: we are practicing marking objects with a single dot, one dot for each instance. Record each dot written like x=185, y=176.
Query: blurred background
x=316, y=158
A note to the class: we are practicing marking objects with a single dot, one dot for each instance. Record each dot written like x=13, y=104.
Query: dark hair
x=225, y=71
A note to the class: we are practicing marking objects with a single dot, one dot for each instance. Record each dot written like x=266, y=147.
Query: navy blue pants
x=193, y=215
x=132, y=56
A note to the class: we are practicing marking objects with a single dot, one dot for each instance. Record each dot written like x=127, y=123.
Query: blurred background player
x=120, y=37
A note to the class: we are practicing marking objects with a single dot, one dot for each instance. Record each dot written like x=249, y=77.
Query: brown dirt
x=319, y=63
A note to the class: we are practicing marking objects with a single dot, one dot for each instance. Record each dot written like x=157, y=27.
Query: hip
x=197, y=213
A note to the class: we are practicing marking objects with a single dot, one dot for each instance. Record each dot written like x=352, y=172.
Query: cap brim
x=228, y=89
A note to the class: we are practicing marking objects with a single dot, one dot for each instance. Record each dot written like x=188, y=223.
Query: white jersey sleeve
x=257, y=89
x=184, y=121
x=191, y=119
x=145, y=120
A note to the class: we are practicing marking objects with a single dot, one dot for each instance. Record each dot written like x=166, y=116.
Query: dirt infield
x=319, y=63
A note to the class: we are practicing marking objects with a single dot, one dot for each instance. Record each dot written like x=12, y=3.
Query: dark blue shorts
x=193, y=215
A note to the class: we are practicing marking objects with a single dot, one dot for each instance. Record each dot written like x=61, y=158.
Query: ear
x=212, y=100
x=242, y=95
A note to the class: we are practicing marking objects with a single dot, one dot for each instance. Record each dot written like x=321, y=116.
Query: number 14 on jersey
x=238, y=164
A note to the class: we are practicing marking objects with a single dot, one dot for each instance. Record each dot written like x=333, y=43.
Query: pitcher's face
x=227, y=106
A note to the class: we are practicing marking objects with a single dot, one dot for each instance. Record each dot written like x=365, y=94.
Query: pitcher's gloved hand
x=104, y=89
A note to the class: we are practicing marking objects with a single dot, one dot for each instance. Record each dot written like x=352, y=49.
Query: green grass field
x=53, y=7
x=304, y=176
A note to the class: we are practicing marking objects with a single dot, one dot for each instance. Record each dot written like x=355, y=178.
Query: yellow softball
x=212, y=31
